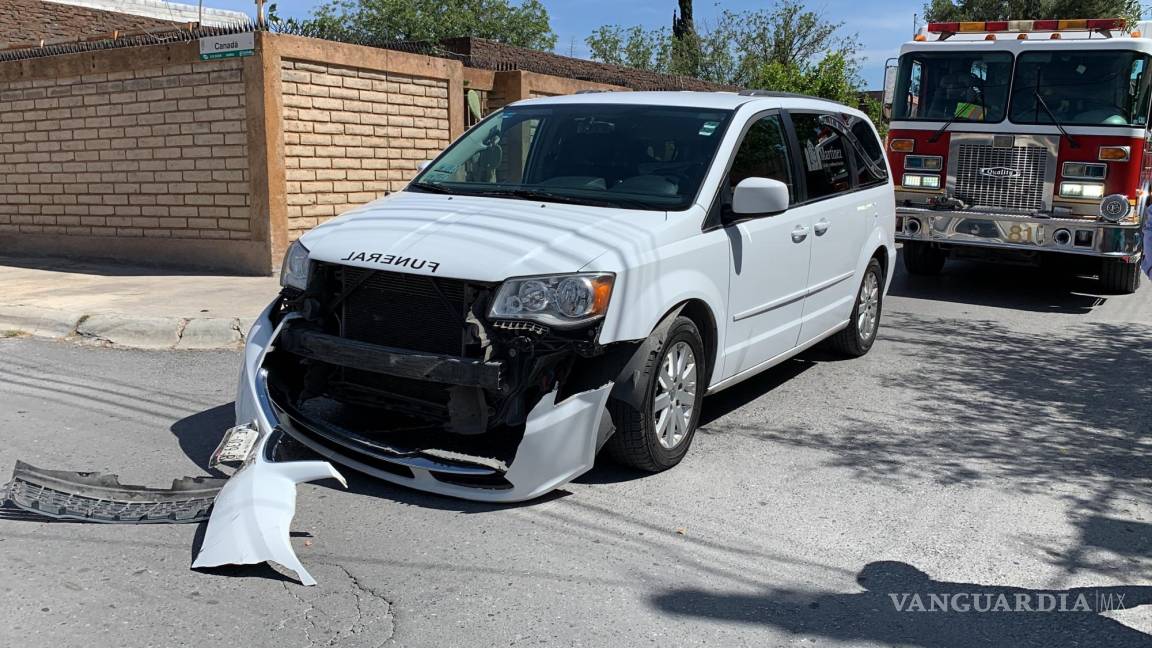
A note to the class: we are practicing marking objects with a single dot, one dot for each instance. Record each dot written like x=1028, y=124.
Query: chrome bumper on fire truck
x=1018, y=232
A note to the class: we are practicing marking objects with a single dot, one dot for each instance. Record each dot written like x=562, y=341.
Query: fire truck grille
x=1012, y=178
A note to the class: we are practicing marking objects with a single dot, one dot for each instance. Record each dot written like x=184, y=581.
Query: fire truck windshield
x=1081, y=88
x=969, y=86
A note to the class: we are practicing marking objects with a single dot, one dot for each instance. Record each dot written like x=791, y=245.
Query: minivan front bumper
x=561, y=437
x=1018, y=232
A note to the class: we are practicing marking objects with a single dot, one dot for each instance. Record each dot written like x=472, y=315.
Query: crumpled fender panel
x=251, y=519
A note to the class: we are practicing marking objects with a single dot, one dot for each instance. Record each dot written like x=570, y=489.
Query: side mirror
x=759, y=197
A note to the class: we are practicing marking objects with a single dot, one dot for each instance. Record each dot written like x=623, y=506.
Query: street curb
x=122, y=330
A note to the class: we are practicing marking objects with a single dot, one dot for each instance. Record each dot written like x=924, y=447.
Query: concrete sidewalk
x=125, y=306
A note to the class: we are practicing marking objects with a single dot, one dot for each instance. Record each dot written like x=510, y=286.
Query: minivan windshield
x=614, y=155
x=1081, y=88
x=962, y=86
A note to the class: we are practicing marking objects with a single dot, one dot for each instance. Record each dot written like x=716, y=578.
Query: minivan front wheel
x=855, y=340
x=655, y=426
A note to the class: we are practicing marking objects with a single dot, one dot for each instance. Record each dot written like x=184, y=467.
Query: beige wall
x=150, y=155
x=353, y=134
x=143, y=158
x=157, y=153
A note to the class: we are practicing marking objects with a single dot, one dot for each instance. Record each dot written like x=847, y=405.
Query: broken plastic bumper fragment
x=97, y=497
x=253, y=514
x=251, y=519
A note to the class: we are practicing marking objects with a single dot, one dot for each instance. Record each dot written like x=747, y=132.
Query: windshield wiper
x=429, y=187
x=537, y=194
x=1052, y=116
x=940, y=131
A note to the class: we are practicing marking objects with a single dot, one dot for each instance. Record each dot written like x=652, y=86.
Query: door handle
x=799, y=234
x=821, y=227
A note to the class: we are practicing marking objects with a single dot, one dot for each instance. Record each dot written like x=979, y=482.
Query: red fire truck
x=1022, y=141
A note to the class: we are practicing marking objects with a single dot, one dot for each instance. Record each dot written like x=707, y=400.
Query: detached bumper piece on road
x=97, y=497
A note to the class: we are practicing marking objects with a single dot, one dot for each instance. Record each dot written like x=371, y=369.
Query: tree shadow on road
x=1040, y=290
x=979, y=401
x=965, y=615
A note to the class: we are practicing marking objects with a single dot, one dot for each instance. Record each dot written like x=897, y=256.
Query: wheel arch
x=881, y=255
x=705, y=321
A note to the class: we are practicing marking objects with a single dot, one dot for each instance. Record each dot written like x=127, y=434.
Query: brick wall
x=353, y=134
x=149, y=153
x=23, y=21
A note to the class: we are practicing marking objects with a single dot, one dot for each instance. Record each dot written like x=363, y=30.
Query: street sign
x=230, y=46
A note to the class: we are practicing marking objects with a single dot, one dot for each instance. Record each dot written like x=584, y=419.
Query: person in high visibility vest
x=969, y=111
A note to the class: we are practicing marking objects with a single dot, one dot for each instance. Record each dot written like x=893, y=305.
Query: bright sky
x=881, y=24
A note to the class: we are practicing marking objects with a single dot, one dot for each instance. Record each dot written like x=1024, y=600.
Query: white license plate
x=235, y=446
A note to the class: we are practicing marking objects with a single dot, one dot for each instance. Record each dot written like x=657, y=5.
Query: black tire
x=1120, y=278
x=636, y=442
x=860, y=335
x=922, y=258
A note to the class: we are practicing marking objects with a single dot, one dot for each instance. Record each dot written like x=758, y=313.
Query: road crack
x=351, y=616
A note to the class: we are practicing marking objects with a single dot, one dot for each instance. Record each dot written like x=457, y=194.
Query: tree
x=685, y=41
x=524, y=23
x=634, y=47
x=785, y=42
x=977, y=10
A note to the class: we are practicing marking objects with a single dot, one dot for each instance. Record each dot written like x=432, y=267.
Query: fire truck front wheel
x=922, y=259
x=1119, y=277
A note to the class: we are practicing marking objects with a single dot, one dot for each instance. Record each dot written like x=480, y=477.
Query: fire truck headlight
x=1088, y=190
x=918, y=181
x=923, y=162
x=1085, y=170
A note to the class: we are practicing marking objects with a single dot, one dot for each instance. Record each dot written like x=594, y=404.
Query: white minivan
x=574, y=274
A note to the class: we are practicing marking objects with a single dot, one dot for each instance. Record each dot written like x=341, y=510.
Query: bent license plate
x=235, y=446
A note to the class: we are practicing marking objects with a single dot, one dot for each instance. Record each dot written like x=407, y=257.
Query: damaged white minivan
x=573, y=274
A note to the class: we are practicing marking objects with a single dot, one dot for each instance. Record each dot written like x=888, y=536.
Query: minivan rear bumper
x=1019, y=232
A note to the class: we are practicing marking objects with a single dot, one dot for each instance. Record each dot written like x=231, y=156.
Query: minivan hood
x=478, y=238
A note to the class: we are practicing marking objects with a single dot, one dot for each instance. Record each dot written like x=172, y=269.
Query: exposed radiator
x=406, y=311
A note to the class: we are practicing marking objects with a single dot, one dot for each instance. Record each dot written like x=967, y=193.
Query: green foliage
x=524, y=23
x=784, y=47
x=977, y=10
x=635, y=47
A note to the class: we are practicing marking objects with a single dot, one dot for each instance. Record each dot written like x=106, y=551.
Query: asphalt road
x=995, y=441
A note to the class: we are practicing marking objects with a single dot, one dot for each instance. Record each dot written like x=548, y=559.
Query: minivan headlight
x=562, y=301
x=294, y=271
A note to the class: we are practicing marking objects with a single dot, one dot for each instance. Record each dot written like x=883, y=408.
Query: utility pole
x=200, y=14
x=259, y=13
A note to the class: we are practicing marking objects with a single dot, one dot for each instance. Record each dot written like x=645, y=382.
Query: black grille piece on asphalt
x=96, y=497
x=405, y=311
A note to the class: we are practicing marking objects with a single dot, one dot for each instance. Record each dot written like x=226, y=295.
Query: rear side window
x=867, y=154
x=824, y=156
x=763, y=154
